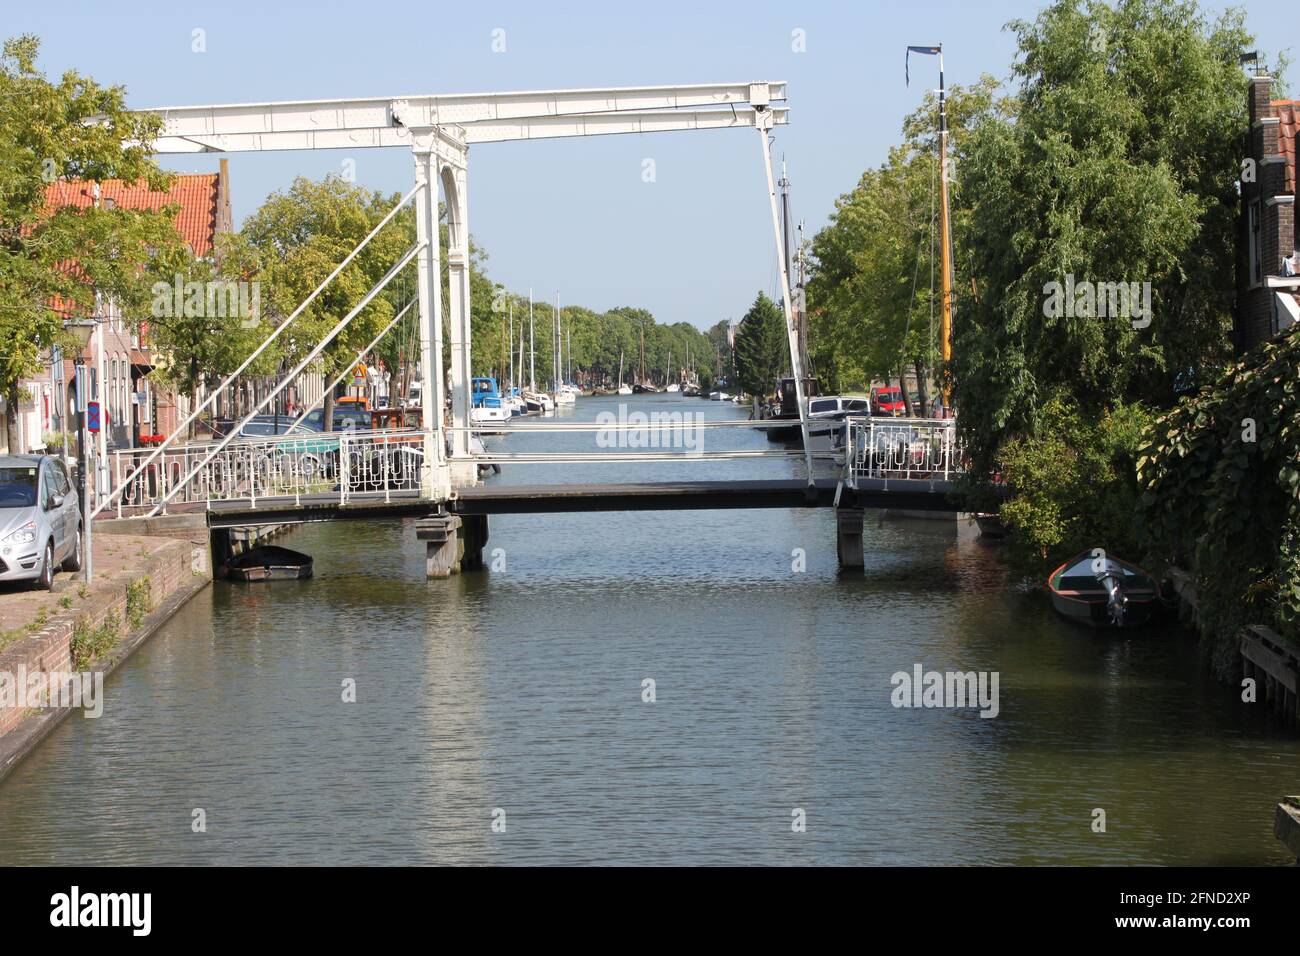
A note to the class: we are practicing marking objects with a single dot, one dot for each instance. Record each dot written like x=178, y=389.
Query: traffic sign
x=92, y=416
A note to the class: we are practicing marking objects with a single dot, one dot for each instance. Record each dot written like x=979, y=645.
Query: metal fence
x=324, y=465
x=902, y=448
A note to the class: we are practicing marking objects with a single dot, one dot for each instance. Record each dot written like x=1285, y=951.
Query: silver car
x=40, y=521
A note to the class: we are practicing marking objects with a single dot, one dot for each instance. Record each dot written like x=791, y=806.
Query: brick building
x=1268, y=286
x=135, y=405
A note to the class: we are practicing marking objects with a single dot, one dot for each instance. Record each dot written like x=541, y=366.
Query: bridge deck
x=916, y=494
x=913, y=494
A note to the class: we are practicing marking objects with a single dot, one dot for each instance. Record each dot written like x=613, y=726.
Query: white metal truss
x=439, y=129
x=483, y=117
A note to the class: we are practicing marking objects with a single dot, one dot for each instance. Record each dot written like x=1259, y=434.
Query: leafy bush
x=1221, y=482
x=1073, y=484
x=138, y=601
x=88, y=646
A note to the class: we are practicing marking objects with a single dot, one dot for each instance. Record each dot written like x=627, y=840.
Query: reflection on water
x=521, y=688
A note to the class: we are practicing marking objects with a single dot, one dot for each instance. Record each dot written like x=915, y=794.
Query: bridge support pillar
x=438, y=532
x=473, y=538
x=222, y=551
x=848, y=538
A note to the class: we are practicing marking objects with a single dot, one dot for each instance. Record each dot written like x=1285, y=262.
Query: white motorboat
x=565, y=395
x=480, y=416
x=538, y=402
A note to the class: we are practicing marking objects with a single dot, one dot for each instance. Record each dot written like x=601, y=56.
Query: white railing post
x=345, y=467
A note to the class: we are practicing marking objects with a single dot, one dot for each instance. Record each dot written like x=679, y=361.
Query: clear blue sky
x=575, y=215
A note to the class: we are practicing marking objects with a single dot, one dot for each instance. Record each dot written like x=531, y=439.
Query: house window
x=1253, y=227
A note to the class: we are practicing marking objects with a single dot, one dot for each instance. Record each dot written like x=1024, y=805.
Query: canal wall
x=140, y=582
x=1264, y=657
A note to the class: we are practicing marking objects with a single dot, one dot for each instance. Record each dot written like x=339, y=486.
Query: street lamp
x=82, y=331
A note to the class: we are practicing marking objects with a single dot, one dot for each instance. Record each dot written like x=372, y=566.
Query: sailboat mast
x=945, y=240
x=555, y=342
x=784, y=184
x=511, y=309
x=532, y=346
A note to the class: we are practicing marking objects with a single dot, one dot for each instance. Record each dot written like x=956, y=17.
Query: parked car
x=40, y=521
x=348, y=415
x=887, y=401
x=260, y=426
x=268, y=426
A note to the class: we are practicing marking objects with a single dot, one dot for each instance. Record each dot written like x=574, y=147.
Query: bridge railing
x=654, y=436
x=320, y=466
x=883, y=448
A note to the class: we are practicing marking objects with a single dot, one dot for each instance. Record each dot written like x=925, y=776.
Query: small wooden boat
x=990, y=526
x=269, y=563
x=1102, y=590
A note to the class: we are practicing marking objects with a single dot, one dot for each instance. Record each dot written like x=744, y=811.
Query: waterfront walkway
x=119, y=559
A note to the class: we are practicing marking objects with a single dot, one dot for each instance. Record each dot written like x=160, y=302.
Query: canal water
x=517, y=695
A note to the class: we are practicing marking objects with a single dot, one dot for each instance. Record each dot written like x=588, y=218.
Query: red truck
x=887, y=400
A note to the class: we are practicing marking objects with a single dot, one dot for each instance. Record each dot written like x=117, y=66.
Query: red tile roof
x=196, y=194
x=1288, y=114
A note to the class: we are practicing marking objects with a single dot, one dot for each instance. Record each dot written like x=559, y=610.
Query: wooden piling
x=1275, y=667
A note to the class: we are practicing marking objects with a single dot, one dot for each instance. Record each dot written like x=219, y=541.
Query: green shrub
x=1221, y=481
x=1073, y=486
x=88, y=646
x=138, y=601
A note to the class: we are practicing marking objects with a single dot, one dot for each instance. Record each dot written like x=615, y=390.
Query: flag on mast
x=925, y=51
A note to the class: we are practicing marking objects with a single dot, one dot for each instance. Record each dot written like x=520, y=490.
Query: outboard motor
x=1115, y=596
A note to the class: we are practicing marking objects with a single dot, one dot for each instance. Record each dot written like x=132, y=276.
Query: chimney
x=1263, y=117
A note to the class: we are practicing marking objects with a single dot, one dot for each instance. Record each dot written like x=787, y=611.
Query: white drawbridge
x=438, y=130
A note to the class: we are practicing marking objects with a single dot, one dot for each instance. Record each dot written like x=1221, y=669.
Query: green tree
x=74, y=129
x=201, y=342
x=870, y=288
x=762, y=347
x=1121, y=166
x=300, y=236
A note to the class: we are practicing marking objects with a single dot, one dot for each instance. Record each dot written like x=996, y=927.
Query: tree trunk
x=194, y=397
x=11, y=418
x=902, y=388
x=329, y=411
x=923, y=396
x=194, y=403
